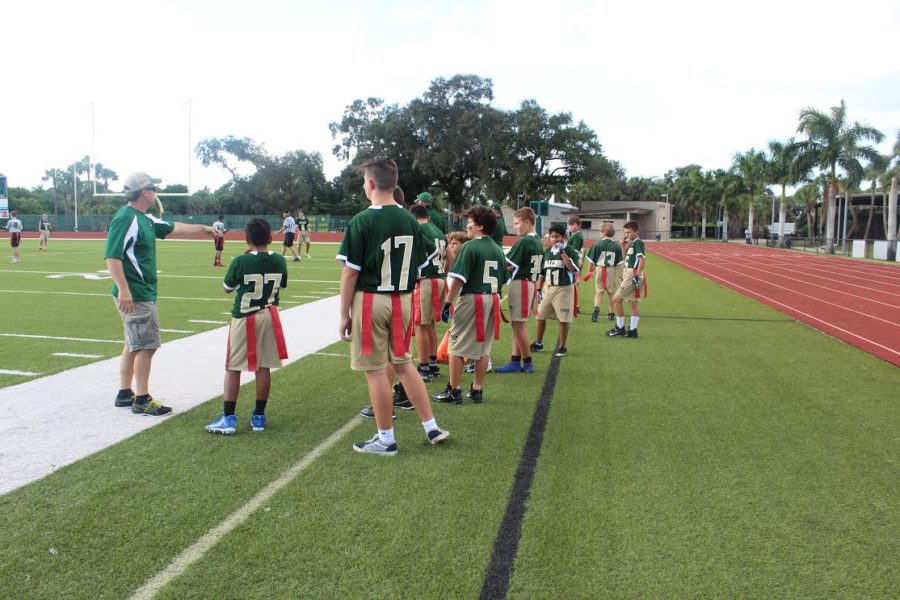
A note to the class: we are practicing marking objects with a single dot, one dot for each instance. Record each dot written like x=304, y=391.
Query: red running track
x=853, y=300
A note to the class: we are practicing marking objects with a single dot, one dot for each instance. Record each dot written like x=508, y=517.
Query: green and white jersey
x=384, y=243
x=481, y=266
x=436, y=246
x=303, y=224
x=437, y=219
x=132, y=239
x=44, y=225
x=605, y=253
x=219, y=226
x=635, y=252
x=257, y=277
x=526, y=257
x=500, y=230
x=576, y=241
x=554, y=267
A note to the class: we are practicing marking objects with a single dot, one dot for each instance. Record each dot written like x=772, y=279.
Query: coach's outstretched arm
x=192, y=228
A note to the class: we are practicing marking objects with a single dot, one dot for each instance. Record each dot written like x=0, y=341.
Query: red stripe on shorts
x=495, y=299
x=367, y=324
x=250, y=324
x=525, y=307
x=397, y=333
x=435, y=300
x=279, y=333
x=603, y=277
x=417, y=299
x=479, y=318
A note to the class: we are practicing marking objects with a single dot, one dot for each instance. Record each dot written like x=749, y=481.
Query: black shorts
x=288, y=240
x=14, y=239
x=220, y=243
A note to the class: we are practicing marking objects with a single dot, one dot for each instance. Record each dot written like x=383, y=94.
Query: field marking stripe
x=331, y=354
x=13, y=372
x=506, y=544
x=74, y=355
x=196, y=551
x=55, y=337
x=751, y=293
x=160, y=276
x=210, y=322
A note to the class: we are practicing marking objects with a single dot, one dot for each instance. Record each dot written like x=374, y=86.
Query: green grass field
x=730, y=451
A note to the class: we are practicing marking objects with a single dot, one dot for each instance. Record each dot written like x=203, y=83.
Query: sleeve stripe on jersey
x=230, y=289
x=515, y=269
x=347, y=263
x=457, y=276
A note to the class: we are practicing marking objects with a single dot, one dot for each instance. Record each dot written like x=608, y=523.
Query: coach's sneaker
x=528, y=368
x=630, y=333
x=369, y=413
x=436, y=436
x=424, y=372
x=477, y=396
x=561, y=351
x=537, y=346
x=376, y=446
x=616, y=331
x=150, y=408
x=225, y=424
x=124, y=401
x=595, y=314
x=257, y=422
x=449, y=395
x=510, y=367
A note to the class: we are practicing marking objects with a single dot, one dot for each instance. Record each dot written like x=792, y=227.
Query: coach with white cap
x=131, y=259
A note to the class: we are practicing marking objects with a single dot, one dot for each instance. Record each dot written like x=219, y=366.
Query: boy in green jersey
x=524, y=263
x=478, y=273
x=633, y=285
x=131, y=260
x=429, y=295
x=557, y=301
x=255, y=338
x=605, y=258
x=381, y=253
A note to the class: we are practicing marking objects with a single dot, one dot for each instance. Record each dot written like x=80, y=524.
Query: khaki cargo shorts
x=141, y=326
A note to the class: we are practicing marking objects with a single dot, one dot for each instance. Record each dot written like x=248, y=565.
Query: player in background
x=500, y=230
x=633, y=283
x=381, y=253
x=559, y=272
x=605, y=258
x=289, y=227
x=44, y=229
x=302, y=232
x=437, y=219
x=576, y=241
x=477, y=274
x=14, y=227
x=429, y=295
x=219, y=230
x=524, y=263
x=255, y=338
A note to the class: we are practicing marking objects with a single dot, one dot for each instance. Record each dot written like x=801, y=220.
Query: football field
x=729, y=451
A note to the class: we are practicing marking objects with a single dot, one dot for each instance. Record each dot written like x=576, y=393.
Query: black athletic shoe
x=124, y=402
x=399, y=393
x=150, y=408
x=449, y=396
x=561, y=351
x=369, y=413
x=425, y=372
x=405, y=404
x=595, y=315
x=537, y=347
x=476, y=395
x=435, y=370
x=610, y=316
x=630, y=333
x=616, y=331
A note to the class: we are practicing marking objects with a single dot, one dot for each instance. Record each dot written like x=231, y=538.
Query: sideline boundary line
x=198, y=549
x=506, y=544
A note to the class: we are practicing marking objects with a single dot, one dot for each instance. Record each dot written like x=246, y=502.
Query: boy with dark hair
x=557, y=301
x=607, y=255
x=382, y=251
x=289, y=227
x=478, y=273
x=219, y=230
x=576, y=241
x=429, y=294
x=633, y=284
x=255, y=338
x=524, y=262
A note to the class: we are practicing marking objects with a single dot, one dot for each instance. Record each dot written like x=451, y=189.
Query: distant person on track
x=303, y=232
x=14, y=227
x=44, y=229
x=131, y=260
x=634, y=284
x=255, y=338
x=289, y=227
x=219, y=229
x=381, y=253
x=748, y=235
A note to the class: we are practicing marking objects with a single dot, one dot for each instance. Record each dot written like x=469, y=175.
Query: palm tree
x=787, y=167
x=833, y=142
x=808, y=195
x=752, y=168
x=873, y=172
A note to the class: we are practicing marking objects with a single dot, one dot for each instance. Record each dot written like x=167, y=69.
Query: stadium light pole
x=75, y=192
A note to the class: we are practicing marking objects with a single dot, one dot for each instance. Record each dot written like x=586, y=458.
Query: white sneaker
x=376, y=446
x=308, y=256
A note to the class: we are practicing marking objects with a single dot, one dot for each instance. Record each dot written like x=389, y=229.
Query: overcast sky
x=663, y=84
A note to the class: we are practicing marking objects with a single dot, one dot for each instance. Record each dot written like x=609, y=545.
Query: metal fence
x=873, y=249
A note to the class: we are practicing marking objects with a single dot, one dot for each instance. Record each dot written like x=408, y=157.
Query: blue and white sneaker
x=510, y=367
x=528, y=368
x=376, y=446
x=258, y=422
x=225, y=424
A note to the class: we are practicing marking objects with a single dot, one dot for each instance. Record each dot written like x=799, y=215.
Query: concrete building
x=654, y=218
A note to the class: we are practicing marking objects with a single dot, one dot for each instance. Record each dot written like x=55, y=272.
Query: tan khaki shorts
x=374, y=335
x=44, y=235
x=424, y=296
x=558, y=303
x=141, y=326
x=253, y=343
x=626, y=289
x=302, y=237
x=464, y=329
x=520, y=297
x=613, y=277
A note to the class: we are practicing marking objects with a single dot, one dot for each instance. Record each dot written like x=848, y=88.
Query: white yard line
x=209, y=322
x=56, y=337
x=12, y=372
x=53, y=421
x=74, y=355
